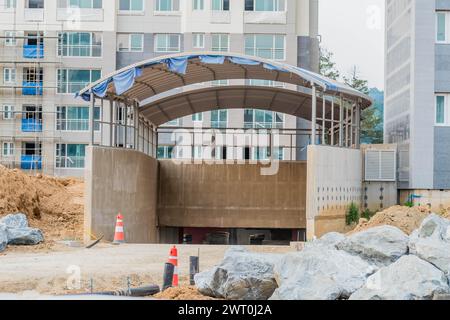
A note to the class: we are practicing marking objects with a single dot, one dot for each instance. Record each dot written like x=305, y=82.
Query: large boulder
x=320, y=273
x=380, y=245
x=3, y=237
x=18, y=220
x=431, y=242
x=329, y=240
x=409, y=278
x=24, y=236
x=242, y=275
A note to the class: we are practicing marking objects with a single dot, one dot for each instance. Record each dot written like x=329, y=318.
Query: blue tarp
x=32, y=88
x=33, y=51
x=125, y=80
x=31, y=162
x=31, y=125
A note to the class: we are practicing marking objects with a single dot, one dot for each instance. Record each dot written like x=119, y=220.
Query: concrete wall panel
x=231, y=196
x=120, y=180
x=334, y=182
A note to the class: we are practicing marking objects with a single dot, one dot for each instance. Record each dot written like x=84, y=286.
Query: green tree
x=371, y=121
x=327, y=67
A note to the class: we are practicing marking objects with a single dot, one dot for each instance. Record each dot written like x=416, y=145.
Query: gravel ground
x=109, y=267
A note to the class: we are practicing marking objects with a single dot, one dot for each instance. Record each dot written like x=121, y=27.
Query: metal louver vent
x=380, y=165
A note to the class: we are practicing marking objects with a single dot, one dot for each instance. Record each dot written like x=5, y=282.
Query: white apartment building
x=50, y=49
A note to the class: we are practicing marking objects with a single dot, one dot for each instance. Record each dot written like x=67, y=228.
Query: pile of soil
x=405, y=218
x=51, y=204
x=182, y=293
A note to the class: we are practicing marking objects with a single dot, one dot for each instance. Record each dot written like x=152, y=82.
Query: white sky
x=354, y=31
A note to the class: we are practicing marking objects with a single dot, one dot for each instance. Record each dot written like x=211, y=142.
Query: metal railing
x=93, y=50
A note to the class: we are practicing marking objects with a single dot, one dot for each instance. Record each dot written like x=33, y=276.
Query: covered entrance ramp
x=163, y=199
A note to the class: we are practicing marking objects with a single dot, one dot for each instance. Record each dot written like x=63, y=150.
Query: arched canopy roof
x=195, y=100
x=146, y=79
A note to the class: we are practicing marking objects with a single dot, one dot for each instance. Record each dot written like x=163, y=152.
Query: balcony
x=218, y=16
x=33, y=51
x=31, y=162
x=76, y=14
x=31, y=125
x=32, y=88
x=34, y=14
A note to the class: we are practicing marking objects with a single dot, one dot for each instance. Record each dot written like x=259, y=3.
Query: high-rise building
x=50, y=49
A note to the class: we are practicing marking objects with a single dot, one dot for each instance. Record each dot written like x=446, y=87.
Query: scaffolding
x=28, y=131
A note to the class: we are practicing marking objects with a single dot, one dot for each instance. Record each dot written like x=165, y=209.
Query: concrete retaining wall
x=122, y=181
x=231, y=196
x=334, y=182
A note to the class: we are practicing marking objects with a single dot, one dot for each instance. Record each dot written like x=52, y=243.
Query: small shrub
x=367, y=214
x=352, y=214
x=409, y=204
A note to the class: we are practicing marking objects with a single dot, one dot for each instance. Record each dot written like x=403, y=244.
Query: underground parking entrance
x=249, y=184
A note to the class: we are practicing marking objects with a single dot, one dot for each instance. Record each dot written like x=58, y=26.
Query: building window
x=198, y=40
x=73, y=118
x=198, y=4
x=220, y=5
x=133, y=42
x=268, y=46
x=219, y=119
x=440, y=110
x=167, y=43
x=220, y=42
x=85, y=4
x=165, y=152
x=265, y=5
x=260, y=119
x=10, y=4
x=8, y=149
x=79, y=44
x=70, y=155
x=167, y=5
x=73, y=80
x=198, y=117
x=10, y=39
x=9, y=75
x=35, y=4
x=131, y=5
x=8, y=112
x=441, y=26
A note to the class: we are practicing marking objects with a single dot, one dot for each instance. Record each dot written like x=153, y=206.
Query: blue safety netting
x=125, y=80
x=33, y=51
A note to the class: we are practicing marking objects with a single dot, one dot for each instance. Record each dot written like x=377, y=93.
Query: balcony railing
x=33, y=51
x=31, y=125
x=34, y=14
x=266, y=53
x=268, y=17
x=218, y=16
x=70, y=162
x=94, y=50
x=31, y=162
x=80, y=14
x=71, y=87
x=32, y=88
x=263, y=125
x=73, y=125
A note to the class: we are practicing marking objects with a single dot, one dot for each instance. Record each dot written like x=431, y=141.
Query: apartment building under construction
x=51, y=49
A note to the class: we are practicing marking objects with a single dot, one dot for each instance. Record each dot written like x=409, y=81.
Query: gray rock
x=24, y=236
x=3, y=237
x=242, y=275
x=409, y=278
x=380, y=245
x=320, y=274
x=18, y=220
x=431, y=242
x=328, y=240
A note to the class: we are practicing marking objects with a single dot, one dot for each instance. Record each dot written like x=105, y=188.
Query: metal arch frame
x=348, y=125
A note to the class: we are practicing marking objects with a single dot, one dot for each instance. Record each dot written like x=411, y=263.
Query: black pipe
x=169, y=270
x=193, y=268
x=132, y=292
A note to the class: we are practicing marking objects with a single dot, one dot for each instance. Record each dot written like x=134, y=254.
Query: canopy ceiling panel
x=193, y=101
x=149, y=78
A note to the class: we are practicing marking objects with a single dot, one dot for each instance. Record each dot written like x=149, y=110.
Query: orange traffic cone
x=173, y=259
x=119, y=235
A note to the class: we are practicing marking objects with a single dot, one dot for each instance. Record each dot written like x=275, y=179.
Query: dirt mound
x=54, y=205
x=405, y=218
x=182, y=293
